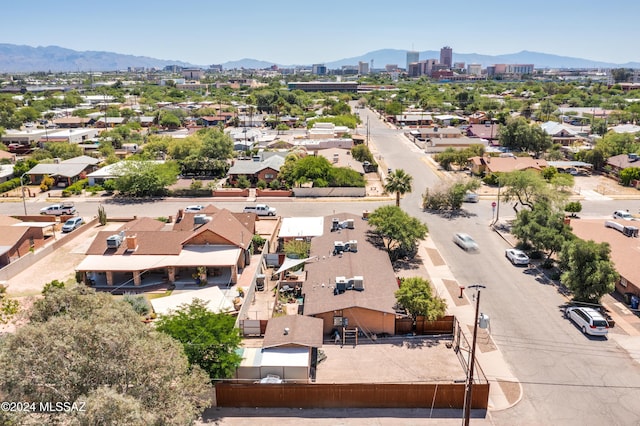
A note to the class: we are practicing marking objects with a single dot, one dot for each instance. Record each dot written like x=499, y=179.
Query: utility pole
x=367, y=130
x=469, y=388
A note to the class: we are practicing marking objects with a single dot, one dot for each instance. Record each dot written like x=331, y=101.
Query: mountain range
x=20, y=58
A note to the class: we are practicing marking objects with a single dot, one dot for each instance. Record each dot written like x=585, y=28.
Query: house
x=213, y=120
x=490, y=132
x=110, y=171
x=413, y=119
x=264, y=166
x=18, y=238
x=200, y=247
x=351, y=284
x=625, y=128
x=110, y=122
x=75, y=136
x=625, y=251
x=326, y=131
x=508, y=163
x=562, y=134
x=288, y=352
x=623, y=161
x=340, y=157
x=73, y=122
x=63, y=172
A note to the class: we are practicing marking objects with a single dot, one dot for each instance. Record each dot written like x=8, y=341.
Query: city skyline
x=288, y=33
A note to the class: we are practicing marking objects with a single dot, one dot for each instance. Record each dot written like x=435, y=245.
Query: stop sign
x=493, y=204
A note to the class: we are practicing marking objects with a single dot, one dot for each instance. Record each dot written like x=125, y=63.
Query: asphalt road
x=567, y=378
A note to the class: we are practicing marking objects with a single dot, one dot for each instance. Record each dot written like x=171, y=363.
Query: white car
x=589, y=320
x=470, y=197
x=516, y=257
x=465, y=241
x=193, y=209
x=622, y=214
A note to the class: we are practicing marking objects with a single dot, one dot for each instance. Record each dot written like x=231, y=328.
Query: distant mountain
x=19, y=58
x=539, y=60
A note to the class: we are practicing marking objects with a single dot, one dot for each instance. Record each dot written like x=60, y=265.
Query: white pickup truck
x=59, y=209
x=260, y=210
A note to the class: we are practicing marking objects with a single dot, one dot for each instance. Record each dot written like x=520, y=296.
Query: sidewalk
x=505, y=390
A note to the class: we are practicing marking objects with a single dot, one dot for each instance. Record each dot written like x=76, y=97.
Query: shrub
x=261, y=184
x=139, y=303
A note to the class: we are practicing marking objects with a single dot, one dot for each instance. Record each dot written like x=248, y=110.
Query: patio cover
x=291, y=263
x=193, y=256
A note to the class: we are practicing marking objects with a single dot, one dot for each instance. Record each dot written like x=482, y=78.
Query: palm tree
x=398, y=182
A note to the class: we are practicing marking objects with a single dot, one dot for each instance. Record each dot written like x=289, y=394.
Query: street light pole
x=24, y=203
x=469, y=388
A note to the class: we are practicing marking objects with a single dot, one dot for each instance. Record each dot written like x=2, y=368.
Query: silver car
x=465, y=241
x=517, y=257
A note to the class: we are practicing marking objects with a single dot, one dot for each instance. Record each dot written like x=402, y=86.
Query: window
x=269, y=176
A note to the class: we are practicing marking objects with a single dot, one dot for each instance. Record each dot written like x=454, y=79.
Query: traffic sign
x=493, y=204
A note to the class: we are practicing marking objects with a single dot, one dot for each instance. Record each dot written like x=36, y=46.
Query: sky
x=204, y=32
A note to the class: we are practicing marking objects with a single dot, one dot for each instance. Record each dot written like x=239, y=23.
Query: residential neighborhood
x=308, y=227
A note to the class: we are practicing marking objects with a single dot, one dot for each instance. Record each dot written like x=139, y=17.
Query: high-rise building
x=412, y=56
x=318, y=69
x=446, y=56
x=363, y=68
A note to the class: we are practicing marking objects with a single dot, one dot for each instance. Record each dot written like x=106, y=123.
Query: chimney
x=132, y=242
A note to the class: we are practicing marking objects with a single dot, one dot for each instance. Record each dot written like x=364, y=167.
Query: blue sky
x=301, y=32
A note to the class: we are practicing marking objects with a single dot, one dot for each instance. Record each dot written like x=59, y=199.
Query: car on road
x=622, y=214
x=465, y=241
x=516, y=257
x=193, y=209
x=589, y=320
x=470, y=197
x=72, y=224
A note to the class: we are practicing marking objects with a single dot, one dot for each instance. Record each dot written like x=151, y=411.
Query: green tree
x=8, y=307
x=170, y=120
x=398, y=232
x=628, y=174
x=145, y=178
x=543, y=228
x=588, y=270
x=215, y=144
x=210, y=340
x=398, y=182
x=362, y=153
x=527, y=188
x=297, y=249
x=63, y=150
x=519, y=135
x=416, y=296
x=95, y=344
x=573, y=207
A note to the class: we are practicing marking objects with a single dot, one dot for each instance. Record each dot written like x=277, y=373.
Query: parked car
x=622, y=214
x=470, y=197
x=59, y=209
x=465, y=241
x=72, y=224
x=589, y=320
x=260, y=210
x=516, y=257
x=193, y=209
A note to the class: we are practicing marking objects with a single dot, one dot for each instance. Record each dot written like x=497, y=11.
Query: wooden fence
x=423, y=327
x=351, y=395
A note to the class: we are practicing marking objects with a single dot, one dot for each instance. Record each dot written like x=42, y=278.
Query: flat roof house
x=350, y=288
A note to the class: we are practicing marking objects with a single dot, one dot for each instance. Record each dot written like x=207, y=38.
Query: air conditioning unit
x=338, y=247
x=352, y=246
x=201, y=219
x=358, y=282
x=335, y=224
x=349, y=224
x=341, y=284
x=114, y=241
